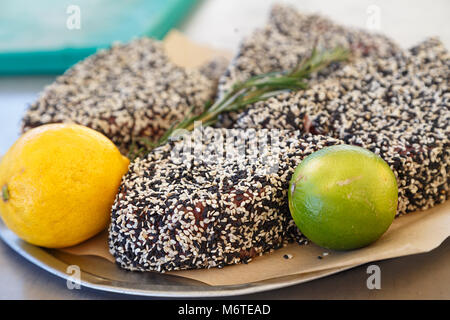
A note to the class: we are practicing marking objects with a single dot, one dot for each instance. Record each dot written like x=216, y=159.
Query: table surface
x=222, y=24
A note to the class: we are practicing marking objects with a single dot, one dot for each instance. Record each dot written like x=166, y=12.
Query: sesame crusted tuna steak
x=128, y=91
x=209, y=207
x=397, y=107
x=288, y=38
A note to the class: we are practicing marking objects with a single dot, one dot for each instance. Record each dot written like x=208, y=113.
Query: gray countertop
x=422, y=276
x=221, y=24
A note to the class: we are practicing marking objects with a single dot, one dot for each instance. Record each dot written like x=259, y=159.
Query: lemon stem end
x=5, y=193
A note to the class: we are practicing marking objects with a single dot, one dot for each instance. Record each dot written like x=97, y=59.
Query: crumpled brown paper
x=410, y=234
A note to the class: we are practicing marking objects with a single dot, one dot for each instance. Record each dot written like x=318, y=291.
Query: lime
x=343, y=197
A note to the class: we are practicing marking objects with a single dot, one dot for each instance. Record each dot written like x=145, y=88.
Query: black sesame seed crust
x=388, y=100
x=172, y=216
x=287, y=39
x=130, y=90
x=208, y=211
x=397, y=107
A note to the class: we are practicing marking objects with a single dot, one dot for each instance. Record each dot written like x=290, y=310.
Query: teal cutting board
x=35, y=37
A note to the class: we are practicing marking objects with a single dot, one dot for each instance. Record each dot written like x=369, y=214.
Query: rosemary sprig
x=241, y=94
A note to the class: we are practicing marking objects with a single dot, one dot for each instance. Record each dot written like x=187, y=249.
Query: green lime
x=343, y=197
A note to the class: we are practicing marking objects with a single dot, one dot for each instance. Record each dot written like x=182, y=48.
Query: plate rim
x=31, y=253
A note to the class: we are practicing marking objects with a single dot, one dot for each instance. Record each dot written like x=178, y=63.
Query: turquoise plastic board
x=35, y=37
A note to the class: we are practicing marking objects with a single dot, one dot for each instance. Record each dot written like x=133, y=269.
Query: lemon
x=58, y=183
x=343, y=197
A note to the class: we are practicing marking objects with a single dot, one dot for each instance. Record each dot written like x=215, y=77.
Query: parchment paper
x=413, y=233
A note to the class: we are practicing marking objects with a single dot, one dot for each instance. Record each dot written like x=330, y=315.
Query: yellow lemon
x=58, y=183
